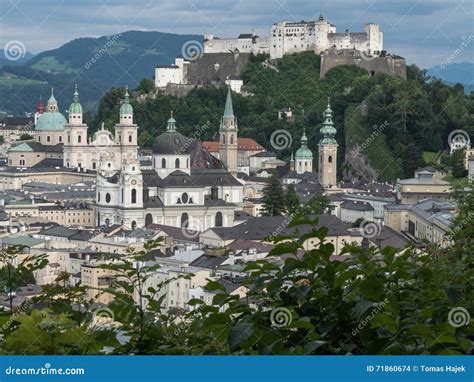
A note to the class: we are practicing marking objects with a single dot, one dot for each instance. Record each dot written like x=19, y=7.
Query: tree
x=412, y=159
x=273, y=197
x=292, y=199
x=457, y=163
x=17, y=272
x=318, y=204
x=146, y=85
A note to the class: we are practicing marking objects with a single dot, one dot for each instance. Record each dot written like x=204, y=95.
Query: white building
x=294, y=37
x=171, y=74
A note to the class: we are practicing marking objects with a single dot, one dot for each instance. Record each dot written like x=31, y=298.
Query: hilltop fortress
x=295, y=37
x=221, y=61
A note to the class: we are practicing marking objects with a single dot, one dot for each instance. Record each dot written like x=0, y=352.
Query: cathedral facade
x=187, y=187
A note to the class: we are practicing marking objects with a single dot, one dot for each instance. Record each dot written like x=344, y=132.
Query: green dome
x=51, y=122
x=126, y=108
x=76, y=107
x=52, y=119
x=304, y=152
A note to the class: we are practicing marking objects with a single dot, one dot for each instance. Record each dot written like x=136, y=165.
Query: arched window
x=134, y=196
x=148, y=219
x=68, y=139
x=130, y=138
x=219, y=219
x=79, y=139
x=231, y=139
x=98, y=196
x=60, y=138
x=223, y=138
x=107, y=197
x=48, y=139
x=330, y=159
x=134, y=224
x=39, y=138
x=184, y=220
x=163, y=163
x=176, y=163
x=107, y=222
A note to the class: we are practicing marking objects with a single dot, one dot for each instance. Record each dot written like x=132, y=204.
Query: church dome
x=171, y=142
x=304, y=152
x=52, y=119
x=126, y=108
x=76, y=107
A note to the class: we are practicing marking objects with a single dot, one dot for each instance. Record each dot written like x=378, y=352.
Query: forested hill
x=417, y=114
x=95, y=64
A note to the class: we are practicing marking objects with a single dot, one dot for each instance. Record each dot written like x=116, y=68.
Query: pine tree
x=273, y=199
x=292, y=199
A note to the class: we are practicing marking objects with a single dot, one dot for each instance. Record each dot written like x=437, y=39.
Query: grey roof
x=49, y=162
x=387, y=237
x=259, y=228
x=357, y=206
x=176, y=233
x=264, y=154
x=198, y=178
x=59, y=231
x=209, y=262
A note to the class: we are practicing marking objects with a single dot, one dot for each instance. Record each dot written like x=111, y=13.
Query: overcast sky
x=425, y=32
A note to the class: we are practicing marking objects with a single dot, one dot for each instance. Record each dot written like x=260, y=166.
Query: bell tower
x=228, y=136
x=327, y=148
x=126, y=131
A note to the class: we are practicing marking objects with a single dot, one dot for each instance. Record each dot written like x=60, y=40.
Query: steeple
x=126, y=110
x=328, y=131
x=228, y=110
x=52, y=105
x=75, y=110
x=171, y=123
x=327, y=148
x=304, y=156
x=40, y=107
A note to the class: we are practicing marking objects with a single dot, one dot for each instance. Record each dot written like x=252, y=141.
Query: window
x=330, y=159
x=134, y=196
x=60, y=138
x=39, y=138
x=93, y=165
x=107, y=197
x=79, y=139
x=130, y=138
x=185, y=198
x=223, y=138
x=68, y=139
x=163, y=163
x=176, y=163
x=231, y=139
x=48, y=139
x=98, y=196
x=184, y=220
x=219, y=219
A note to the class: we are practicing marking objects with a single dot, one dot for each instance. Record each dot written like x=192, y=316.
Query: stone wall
x=389, y=64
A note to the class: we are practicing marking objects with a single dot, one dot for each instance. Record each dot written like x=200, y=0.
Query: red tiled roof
x=243, y=144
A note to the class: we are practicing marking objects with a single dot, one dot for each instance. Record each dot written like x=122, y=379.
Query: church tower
x=228, y=137
x=75, y=131
x=327, y=151
x=126, y=131
x=304, y=157
x=131, y=194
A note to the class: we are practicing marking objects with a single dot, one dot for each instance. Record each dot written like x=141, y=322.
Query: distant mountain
x=95, y=64
x=462, y=72
x=6, y=58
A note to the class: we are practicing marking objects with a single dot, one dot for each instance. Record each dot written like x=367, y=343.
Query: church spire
x=328, y=131
x=75, y=110
x=126, y=110
x=40, y=107
x=171, y=123
x=52, y=105
x=228, y=110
